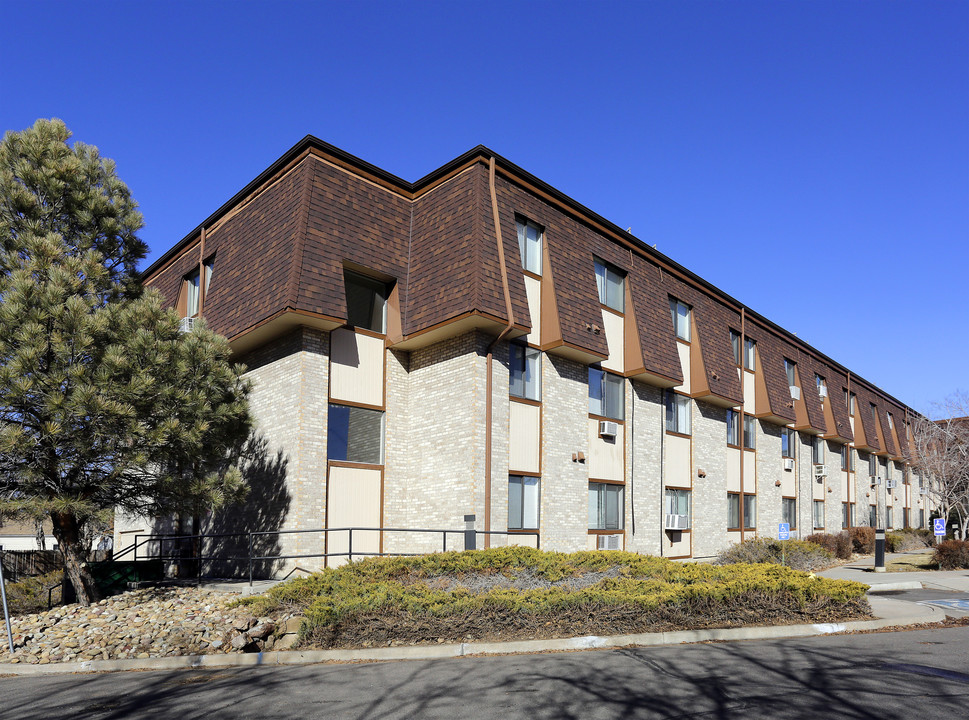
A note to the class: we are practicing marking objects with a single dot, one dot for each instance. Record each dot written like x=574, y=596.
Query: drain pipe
x=490, y=351
x=662, y=469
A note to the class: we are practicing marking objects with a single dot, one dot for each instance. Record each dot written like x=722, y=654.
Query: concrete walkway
x=862, y=570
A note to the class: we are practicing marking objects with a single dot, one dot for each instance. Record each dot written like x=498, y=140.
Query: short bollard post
x=469, y=534
x=879, y=550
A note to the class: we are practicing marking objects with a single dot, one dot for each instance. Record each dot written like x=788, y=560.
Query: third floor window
x=681, y=318
x=530, y=245
x=610, y=282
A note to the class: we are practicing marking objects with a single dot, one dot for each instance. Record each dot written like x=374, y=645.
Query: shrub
x=30, y=595
x=952, y=555
x=862, y=540
x=838, y=545
x=908, y=539
x=797, y=554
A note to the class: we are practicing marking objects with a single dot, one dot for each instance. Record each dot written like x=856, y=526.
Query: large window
x=681, y=318
x=366, y=302
x=819, y=514
x=789, y=512
x=735, y=346
x=525, y=372
x=605, y=506
x=750, y=353
x=355, y=435
x=523, y=502
x=610, y=281
x=750, y=512
x=733, y=511
x=677, y=413
x=733, y=428
x=817, y=451
x=606, y=394
x=750, y=432
x=787, y=443
x=677, y=502
x=530, y=245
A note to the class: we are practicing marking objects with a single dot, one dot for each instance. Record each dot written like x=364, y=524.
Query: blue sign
x=783, y=531
x=939, y=525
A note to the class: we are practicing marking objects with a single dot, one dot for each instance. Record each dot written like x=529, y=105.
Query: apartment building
x=477, y=342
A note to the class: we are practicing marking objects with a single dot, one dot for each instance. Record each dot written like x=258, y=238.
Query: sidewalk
x=861, y=570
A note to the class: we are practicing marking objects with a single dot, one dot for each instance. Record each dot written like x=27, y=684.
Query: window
x=605, y=506
x=789, y=512
x=610, y=281
x=789, y=368
x=817, y=450
x=733, y=428
x=872, y=466
x=195, y=290
x=905, y=518
x=606, y=394
x=874, y=414
x=749, y=353
x=750, y=426
x=681, y=318
x=851, y=514
x=845, y=457
x=677, y=502
x=733, y=511
x=891, y=422
x=525, y=372
x=787, y=443
x=735, y=346
x=523, y=502
x=677, y=413
x=851, y=404
x=872, y=516
x=750, y=512
x=366, y=302
x=888, y=470
x=921, y=518
x=822, y=386
x=844, y=516
x=889, y=511
x=355, y=435
x=530, y=245
x=844, y=391
x=818, y=514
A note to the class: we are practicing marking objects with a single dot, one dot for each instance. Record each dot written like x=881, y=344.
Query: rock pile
x=153, y=622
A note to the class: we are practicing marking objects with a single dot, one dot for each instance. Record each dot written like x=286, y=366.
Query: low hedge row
x=796, y=554
x=428, y=589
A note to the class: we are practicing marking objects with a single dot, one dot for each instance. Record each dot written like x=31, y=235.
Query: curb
x=904, y=614
x=891, y=587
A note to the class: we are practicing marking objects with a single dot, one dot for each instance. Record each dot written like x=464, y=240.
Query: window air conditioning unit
x=923, y=491
x=608, y=428
x=187, y=324
x=875, y=480
x=820, y=471
x=677, y=522
x=609, y=542
x=795, y=392
x=823, y=391
x=891, y=483
x=788, y=463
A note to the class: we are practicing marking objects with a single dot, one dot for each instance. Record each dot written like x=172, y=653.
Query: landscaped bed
x=522, y=593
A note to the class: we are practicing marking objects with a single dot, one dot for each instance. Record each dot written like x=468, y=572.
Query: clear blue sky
x=809, y=158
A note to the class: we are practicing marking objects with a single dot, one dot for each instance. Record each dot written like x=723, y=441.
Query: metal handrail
x=141, y=541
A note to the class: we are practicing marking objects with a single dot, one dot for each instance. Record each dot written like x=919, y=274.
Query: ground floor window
x=905, y=517
x=677, y=502
x=789, y=512
x=872, y=516
x=750, y=512
x=921, y=518
x=847, y=515
x=605, y=506
x=889, y=512
x=819, y=514
x=355, y=435
x=523, y=502
x=733, y=511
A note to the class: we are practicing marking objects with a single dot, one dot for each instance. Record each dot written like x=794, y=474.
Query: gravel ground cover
x=143, y=623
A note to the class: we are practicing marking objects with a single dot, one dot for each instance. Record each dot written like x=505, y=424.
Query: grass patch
x=517, y=593
x=913, y=562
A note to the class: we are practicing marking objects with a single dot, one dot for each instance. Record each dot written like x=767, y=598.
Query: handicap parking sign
x=783, y=531
x=939, y=525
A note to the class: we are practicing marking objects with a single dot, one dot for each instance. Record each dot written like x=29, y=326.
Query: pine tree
x=104, y=403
